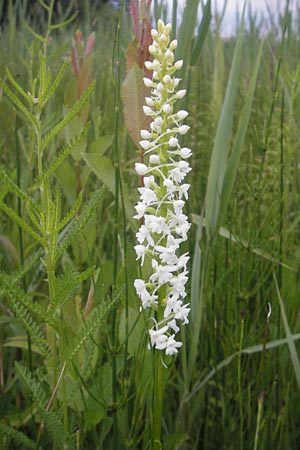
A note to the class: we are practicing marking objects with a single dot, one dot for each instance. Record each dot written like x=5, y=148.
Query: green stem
x=260, y=400
x=158, y=402
x=117, y=80
x=240, y=382
x=158, y=381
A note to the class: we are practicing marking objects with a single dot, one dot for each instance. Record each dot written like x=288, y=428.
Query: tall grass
x=75, y=368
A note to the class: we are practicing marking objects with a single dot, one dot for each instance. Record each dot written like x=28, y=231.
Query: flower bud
x=173, y=142
x=178, y=65
x=145, y=134
x=167, y=79
x=140, y=168
x=149, y=101
x=180, y=94
x=160, y=87
x=154, y=33
x=152, y=49
x=158, y=121
x=148, y=82
x=147, y=111
x=169, y=56
x=176, y=82
x=160, y=26
x=168, y=28
x=185, y=152
x=182, y=114
x=167, y=108
x=145, y=144
x=154, y=159
x=173, y=45
x=162, y=40
x=149, y=65
x=183, y=129
x=155, y=64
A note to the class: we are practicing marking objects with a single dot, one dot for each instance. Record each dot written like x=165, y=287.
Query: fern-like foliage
x=74, y=111
x=66, y=287
x=22, y=305
x=19, y=274
x=50, y=419
x=79, y=223
x=19, y=439
x=93, y=321
x=22, y=223
x=66, y=150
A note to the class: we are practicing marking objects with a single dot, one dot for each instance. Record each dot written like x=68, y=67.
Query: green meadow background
x=75, y=368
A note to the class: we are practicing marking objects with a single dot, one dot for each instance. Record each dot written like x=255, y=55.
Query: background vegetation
x=75, y=370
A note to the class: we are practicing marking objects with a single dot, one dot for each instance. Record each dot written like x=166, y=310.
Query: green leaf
x=76, y=226
x=13, y=187
x=34, y=34
x=18, y=437
x=232, y=165
x=219, y=157
x=69, y=116
x=23, y=306
x=17, y=102
x=95, y=318
x=24, y=225
x=47, y=94
x=133, y=95
x=202, y=33
x=67, y=149
x=50, y=419
x=289, y=335
x=9, y=252
x=21, y=342
x=186, y=31
x=103, y=167
x=101, y=145
x=72, y=212
x=17, y=86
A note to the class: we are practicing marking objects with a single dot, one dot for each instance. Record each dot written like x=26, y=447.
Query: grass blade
x=219, y=157
x=289, y=335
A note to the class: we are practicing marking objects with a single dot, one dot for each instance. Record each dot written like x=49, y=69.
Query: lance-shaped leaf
x=133, y=95
x=219, y=157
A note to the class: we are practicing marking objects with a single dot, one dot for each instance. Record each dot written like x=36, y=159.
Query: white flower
x=148, y=111
x=181, y=94
x=158, y=338
x=147, y=195
x=173, y=142
x=140, y=168
x=185, y=152
x=172, y=345
x=182, y=114
x=145, y=144
x=140, y=209
x=162, y=197
x=178, y=65
x=148, y=82
x=167, y=108
x=145, y=134
x=183, y=129
x=140, y=251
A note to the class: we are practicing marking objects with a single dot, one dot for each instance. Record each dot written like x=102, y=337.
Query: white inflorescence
x=160, y=208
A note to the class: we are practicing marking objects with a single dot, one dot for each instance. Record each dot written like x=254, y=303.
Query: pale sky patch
x=260, y=8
